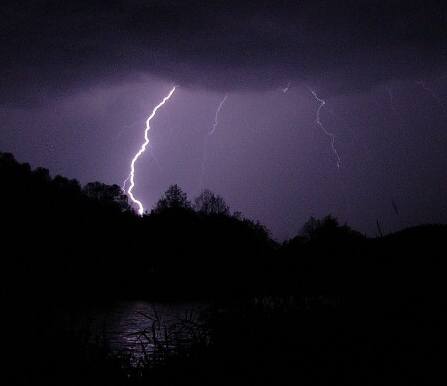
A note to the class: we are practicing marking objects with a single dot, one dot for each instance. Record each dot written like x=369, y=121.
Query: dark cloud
x=54, y=47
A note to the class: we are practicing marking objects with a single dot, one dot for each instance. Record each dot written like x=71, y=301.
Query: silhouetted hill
x=61, y=238
x=329, y=306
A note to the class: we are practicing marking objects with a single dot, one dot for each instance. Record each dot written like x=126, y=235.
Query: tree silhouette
x=327, y=228
x=107, y=193
x=211, y=204
x=174, y=198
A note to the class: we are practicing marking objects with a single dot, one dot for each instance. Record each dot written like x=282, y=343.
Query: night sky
x=79, y=78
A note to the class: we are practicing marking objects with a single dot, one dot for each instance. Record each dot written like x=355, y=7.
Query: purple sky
x=80, y=79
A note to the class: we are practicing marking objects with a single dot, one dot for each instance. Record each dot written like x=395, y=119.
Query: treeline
x=327, y=306
x=62, y=240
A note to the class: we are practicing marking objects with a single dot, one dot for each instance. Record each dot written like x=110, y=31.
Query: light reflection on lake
x=142, y=328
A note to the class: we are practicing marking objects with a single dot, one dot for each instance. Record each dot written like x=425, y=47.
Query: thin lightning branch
x=396, y=209
x=285, y=89
x=391, y=96
x=142, y=149
x=123, y=186
x=318, y=122
x=210, y=133
x=430, y=91
x=216, y=116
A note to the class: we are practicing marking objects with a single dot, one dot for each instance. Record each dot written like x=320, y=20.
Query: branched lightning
x=142, y=149
x=322, y=103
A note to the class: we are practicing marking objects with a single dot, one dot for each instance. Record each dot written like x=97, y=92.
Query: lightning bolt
x=151, y=153
x=142, y=149
x=322, y=103
x=209, y=134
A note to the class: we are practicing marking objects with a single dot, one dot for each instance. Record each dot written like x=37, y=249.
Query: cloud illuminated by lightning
x=142, y=149
x=320, y=124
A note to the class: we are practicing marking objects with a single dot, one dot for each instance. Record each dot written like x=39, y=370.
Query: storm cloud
x=53, y=48
x=79, y=78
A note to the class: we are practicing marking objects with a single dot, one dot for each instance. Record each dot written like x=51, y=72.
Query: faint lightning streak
x=285, y=89
x=216, y=116
x=391, y=96
x=430, y=91
x=210, y=133
x=396, y=209
x=123, y=186
x=320, y=124
x=142, y=149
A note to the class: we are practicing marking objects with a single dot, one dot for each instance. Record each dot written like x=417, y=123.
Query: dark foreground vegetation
x=329, y=306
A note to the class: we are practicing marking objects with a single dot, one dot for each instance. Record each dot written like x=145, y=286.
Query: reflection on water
x=145, y=330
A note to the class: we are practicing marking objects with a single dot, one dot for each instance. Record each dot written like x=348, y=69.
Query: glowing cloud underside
x=142, y=149
x=325, y=131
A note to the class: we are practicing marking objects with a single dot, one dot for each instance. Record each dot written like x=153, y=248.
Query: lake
x=145, y=330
